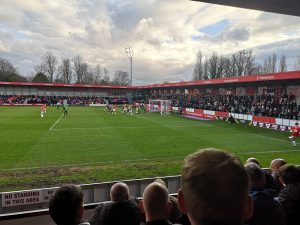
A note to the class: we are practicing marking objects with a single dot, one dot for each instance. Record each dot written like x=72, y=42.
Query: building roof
x=294, y=75
x=287, y=7
x=231, y=80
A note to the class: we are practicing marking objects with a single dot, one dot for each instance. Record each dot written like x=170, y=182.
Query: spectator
x=275, y=166
x=289, y=196
x=156, y=204
x=122, y=210
x=66, y=206
x=269, y=180
x=175, y=213
x=253, y=160
x=215, y=189
x=267, y=210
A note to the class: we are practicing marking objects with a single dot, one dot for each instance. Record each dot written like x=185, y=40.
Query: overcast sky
x=165, y=34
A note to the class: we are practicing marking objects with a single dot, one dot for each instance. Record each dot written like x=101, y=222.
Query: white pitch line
x=128, y=127
x=135, y=160
x=267, y=152
x=57, y=121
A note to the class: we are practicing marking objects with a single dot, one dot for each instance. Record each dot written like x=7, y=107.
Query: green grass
x=90, y=146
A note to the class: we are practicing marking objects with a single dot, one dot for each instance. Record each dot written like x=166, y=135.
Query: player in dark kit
x=65, y=109
x=295, y=133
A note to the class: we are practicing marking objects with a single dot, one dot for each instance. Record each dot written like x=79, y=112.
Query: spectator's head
x=161, y=181
x=289, y=174
x=66, y=206
x=276, y=164
x=215, y=188
x=119, y=192
x=156, y=202
x=256, y=175
x=253, y=160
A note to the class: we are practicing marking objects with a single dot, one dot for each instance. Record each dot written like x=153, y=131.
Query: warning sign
x=21, y=198
x=26, y=197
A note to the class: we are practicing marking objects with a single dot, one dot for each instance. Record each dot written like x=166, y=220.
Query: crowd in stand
x=216, y=189
x=284, y=106
x=53, y=100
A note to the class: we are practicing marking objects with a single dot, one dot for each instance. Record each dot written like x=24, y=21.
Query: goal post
x=161, y=106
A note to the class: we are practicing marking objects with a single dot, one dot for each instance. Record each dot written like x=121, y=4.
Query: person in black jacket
x=122, y=210
x=266, y=209
x=289, y=196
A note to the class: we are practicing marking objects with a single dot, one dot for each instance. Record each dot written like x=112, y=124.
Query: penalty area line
x=57, y=121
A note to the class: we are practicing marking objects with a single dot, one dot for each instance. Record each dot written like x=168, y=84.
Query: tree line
x=77, y=70
x=241, y=63
x=67, y=71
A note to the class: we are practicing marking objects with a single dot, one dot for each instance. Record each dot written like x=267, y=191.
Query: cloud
x=165, y=34
x=235, y=35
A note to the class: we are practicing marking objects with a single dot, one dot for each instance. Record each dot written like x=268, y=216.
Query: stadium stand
x=283, y=106
x=53, y=100
x=269, y=99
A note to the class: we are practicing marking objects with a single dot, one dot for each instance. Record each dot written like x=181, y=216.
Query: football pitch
x=90, y=146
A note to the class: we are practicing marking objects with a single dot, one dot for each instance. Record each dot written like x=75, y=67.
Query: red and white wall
x=259, y=121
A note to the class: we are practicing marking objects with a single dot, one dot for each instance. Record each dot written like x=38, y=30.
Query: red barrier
x=199, y=111
x=222, y=114
x=264, y=119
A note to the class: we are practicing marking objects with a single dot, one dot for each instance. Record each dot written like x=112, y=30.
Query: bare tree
x=221, y=67
x=233, y=67
x=227, y=72
x=97, y=74
x=6, y=66
x=206, y=70
x=266, y=67
x=297, y=64
x=105, y=79
x=249, y=63
x=273, y=63
x=258, y=69
x=38, y=69
x=48, y=64
x=78, y=65
x=213, y=65
x=198, y=69
x=282, y=64
x=270, y=64
x=65, y=71
x=244, y=62
x=86, y=79
x=121, y=78
x=8, y=72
